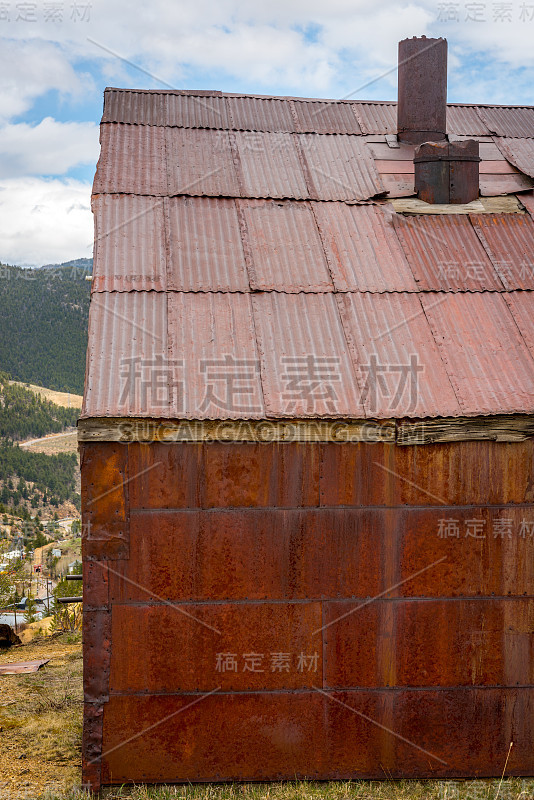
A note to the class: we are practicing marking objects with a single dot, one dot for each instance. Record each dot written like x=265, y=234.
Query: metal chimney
x=447, y=172
x=422, y=94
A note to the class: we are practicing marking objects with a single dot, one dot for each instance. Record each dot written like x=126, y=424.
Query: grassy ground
x=40, y=740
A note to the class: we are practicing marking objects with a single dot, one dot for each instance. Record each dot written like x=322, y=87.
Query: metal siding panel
x=285, y=247
x=466, y=642
x=201, y=633
x=204, y=245
x=453, y=473
x=340, y=167
x=520, y=152
x=492, y=564
x=508, y=121
x=127, y=369
x=493, y=185
x=445, y=253
x=129, y=247
x=362, y=248
x=465, y=121
x=136, y=108
x=190, y=111
x=355, y=734
x=486, y=359
x=270, y=165
x=212, y=335
x=200, y=162
x=326, y=118
x=509, y=240
x=395, y=357
x=306, y=367
x=252, y=475
x=252, y=554
x=376, y=118
x=132, y=160
x=257, y=114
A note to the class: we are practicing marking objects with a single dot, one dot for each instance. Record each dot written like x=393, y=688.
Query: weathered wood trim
x=505, y=428
x=502, y=428
x=313, y=430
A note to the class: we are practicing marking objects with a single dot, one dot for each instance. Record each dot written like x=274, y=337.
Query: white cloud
x=44, y=221
x=31, y=68
x=49, y=148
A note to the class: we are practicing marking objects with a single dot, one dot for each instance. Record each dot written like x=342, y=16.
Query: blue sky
x=57, y=57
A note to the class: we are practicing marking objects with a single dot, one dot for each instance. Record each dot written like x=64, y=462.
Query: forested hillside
x=43, y=315
x=24, y=414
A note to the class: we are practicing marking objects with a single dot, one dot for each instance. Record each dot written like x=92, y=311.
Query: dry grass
x=41, y=720
x=59, y=398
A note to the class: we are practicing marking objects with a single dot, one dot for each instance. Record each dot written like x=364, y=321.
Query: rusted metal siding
x=334, y=551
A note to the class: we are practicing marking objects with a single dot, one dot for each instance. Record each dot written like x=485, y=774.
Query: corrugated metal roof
x=520, y=152
x=128, y=371
x=270, y=165
x=521, y=305
x=129, y=246
x=200, y=162
x=255, y=114
x=508, y=121
x=398, y=364
x=376, y=117
x=212, y=335
x=192, y=111
x=528, y=201
x=362, y=248
x=204, y=245
x=509, y=240
x=306, y=367
x=256, y=325
x=326, y=118
x=465, y=121
x=444, y=252
x=286, y=253
x=136, y=108
x=486, y=359
x=340, y=167
x=132, y=159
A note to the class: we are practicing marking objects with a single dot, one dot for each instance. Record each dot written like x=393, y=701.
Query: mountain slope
x=43, y=325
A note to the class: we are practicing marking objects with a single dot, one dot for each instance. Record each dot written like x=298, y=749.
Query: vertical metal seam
x=441, y=350
x=485, y=244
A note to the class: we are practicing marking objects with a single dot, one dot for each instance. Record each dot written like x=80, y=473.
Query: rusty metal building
x=306, y=443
